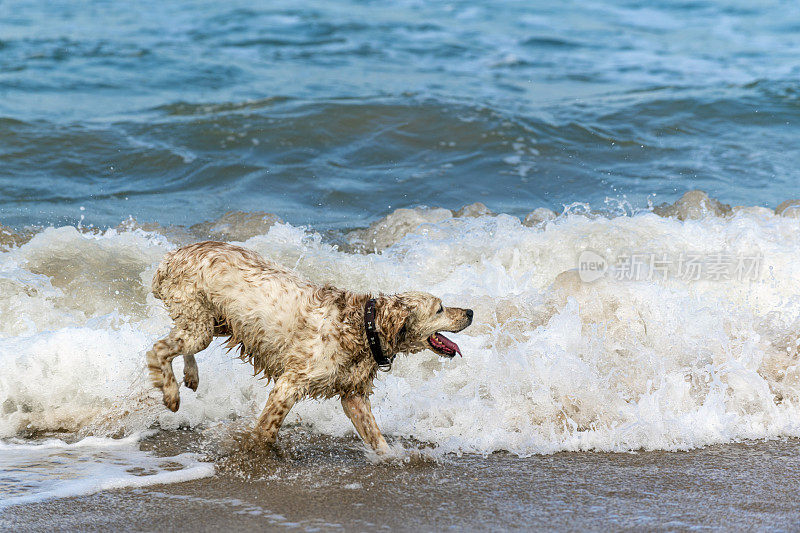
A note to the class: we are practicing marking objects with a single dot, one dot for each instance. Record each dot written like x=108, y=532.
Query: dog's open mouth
x=443, y=346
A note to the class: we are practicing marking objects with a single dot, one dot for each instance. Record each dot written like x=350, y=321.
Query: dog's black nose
x=469, y=314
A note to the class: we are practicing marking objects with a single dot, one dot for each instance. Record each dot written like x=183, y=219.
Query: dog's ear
x=392, y=321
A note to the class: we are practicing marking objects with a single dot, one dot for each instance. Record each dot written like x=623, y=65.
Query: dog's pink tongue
x=449, y=344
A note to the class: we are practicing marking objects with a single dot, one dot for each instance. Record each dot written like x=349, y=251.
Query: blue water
x=334, y=113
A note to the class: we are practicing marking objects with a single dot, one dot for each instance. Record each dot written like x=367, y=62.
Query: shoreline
x=323, y=483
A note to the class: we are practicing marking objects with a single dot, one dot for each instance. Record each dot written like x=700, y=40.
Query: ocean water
x=334, y=113
x=344, y=139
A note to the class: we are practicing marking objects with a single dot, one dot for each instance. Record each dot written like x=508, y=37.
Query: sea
x=529, y=160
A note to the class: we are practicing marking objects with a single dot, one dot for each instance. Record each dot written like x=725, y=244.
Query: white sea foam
x=550, y=363
x=34, y=472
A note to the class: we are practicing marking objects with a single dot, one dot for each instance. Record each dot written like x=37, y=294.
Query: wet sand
x=322, y=483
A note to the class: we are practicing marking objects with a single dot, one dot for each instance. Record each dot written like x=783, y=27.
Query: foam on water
x=55, y=469
x=551, y=363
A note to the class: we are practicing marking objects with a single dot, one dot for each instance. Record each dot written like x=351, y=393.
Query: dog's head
x=413, y=321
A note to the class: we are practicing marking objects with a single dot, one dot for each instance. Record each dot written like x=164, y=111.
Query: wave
x=53, y=468
x=357, y=155
x=553, y=361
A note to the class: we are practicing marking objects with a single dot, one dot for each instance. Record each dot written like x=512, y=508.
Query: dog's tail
x=161, y=274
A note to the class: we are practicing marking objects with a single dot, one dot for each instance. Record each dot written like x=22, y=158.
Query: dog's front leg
x=283, y=396
x=359, y=411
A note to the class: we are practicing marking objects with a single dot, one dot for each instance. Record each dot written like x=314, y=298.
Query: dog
x=311, y=340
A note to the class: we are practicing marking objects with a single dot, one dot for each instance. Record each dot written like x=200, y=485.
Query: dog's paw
x=172, y=401
x=191, y=381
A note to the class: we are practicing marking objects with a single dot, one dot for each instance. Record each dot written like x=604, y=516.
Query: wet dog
x=313, y=341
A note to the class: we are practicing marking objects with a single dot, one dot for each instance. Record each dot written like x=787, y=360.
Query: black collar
x=383, y=362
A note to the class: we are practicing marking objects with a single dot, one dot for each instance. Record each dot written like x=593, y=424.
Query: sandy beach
x=325, y=484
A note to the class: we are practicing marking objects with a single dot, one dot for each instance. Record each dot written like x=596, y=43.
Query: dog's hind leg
x=359, y=411
x=187, y=338
x=159, y=362
x=283, y=396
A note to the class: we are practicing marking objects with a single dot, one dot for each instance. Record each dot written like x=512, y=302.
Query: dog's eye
x=441, y=309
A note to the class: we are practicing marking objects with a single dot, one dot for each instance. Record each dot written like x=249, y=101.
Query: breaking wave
x=551, y=363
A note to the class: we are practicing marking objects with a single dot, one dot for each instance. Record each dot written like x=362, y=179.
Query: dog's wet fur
x=309, y=339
